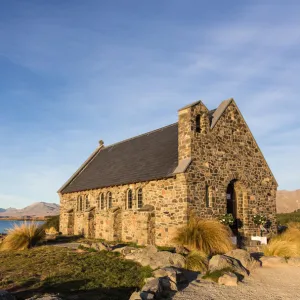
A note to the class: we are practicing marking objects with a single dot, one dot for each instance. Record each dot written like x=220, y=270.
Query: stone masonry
x=216, y=150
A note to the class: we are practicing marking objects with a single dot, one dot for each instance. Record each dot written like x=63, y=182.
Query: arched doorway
x=231, y=199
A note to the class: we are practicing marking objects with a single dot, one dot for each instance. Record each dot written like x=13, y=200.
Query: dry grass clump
x=23, y=236
x=295, y=225
x=207, y=236
x=197, y=261
x=51, y=231
x=286, y=244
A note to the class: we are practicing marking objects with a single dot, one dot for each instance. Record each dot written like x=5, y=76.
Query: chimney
x=101, y=144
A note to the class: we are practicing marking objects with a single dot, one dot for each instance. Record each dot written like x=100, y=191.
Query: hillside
x=38, y=209
x=287, y=201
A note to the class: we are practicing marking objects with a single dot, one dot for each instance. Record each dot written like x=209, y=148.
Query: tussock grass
x=286, y=244
x=197, y=261
x=23, y=236
x=207, y=236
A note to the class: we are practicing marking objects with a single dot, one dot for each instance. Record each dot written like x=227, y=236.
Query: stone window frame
x=129, y=199
x=109, y=203
x=140, y=197
x=208, y=196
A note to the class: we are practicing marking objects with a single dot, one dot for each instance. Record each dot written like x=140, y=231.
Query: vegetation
x=207, y=236
x=284, y=219
x=50, y=269
x=23, y=236
x=286, y=244
x=51, y=230
x=215, y=275
x=52, y=222
x=197, y=261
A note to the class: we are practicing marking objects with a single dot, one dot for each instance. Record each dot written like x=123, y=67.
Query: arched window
x=129, y=199
x=198, y=123
x=140, y=198
x=102, y=202
x=80, y=203
x=208, y=196
x=109, y=200
x=87, y=202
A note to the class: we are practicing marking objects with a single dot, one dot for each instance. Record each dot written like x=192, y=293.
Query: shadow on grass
x=63, y=239
x=74, y=289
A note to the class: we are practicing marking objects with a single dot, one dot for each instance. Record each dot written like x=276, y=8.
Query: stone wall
x=167, y=196
x=224, y=153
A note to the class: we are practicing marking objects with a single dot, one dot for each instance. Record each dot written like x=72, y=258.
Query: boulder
x=45, y=297
x=244, y=258
x=220, y=262
x=4, y=295
x=294, y=261
x=149, y=256
x=228, y=279
x=152, y=288
x=135, y=296
x=182, y=250
x=271, y=261
x=125, y=250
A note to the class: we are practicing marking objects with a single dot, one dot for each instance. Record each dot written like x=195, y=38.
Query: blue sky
x=74, y=72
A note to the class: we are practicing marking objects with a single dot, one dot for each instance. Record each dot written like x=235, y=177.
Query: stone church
x=142, y=189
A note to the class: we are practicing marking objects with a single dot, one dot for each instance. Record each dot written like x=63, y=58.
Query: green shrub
x=284, y=219
x=197, y=261
x=207, y=236
x=23, y=236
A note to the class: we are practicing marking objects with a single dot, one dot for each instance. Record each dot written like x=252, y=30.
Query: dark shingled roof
x=153, y=155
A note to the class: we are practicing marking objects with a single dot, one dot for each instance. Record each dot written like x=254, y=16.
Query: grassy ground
x=48, y=269
x=283, y=219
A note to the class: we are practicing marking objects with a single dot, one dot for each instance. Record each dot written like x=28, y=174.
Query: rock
x=219, y=262
x=146, y=296
x=244, y=258
x=228, y=279
x=85, y=245
x=271, y=261
x=152, y=287
x=125, y=250
x=4, y=295
x=294, y=261
x=45, y=297
x=149, y=256
x=135, y=296
x=182, y=250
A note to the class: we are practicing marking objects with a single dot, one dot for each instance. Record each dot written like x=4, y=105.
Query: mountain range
x=287, y=201
x=38, y=209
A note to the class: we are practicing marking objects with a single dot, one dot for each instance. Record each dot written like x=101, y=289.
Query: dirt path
x=268, y=283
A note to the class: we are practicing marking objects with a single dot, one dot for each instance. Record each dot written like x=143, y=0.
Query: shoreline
x=23, y=219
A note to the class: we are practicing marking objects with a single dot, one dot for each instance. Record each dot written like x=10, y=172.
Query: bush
x=197, y=261
x=23, y=236
x=51, y=231
x=52, y=222
x=207, y=236
x=284, y=219
x=286, y=244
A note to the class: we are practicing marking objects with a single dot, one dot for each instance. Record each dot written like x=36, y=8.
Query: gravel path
x=268, y=283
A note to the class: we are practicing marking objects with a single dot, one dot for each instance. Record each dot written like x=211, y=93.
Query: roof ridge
x=137, y=136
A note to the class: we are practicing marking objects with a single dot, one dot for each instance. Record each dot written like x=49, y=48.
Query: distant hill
x=287, y=201
x=38, y=209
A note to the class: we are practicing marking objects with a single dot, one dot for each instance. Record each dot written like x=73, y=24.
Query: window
x=208, y=196
x=129, y=199
x=198, y=125
x=140, y=198
x=80, y=203
x=87, y=202
x=102, y=202
x=109, y=200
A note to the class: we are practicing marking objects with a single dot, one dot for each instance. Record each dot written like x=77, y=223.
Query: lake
x=7, y=224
